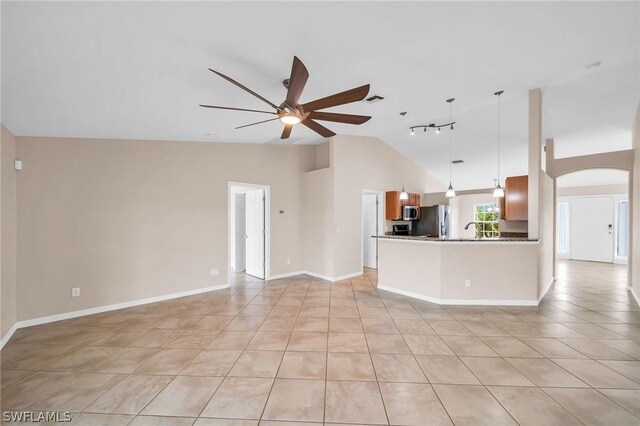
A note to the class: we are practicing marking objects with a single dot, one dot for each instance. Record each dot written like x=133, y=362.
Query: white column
x=535, y=154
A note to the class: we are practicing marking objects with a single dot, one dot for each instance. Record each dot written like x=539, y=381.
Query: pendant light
x=450, y=191
x=498, y=192
x=404, y=195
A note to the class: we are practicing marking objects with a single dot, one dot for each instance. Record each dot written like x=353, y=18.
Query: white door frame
x=381, y=201
x=267, y=224
x=623, y=260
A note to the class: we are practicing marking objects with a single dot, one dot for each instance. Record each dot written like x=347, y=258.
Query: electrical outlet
x=288, y=261
x=214, y=272
x=467, y=283
x=75, y=292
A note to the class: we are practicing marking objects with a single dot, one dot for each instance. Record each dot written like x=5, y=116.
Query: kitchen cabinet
x=393, y=209
x=515, y=203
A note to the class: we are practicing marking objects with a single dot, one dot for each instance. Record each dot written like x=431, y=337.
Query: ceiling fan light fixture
x=290, y=119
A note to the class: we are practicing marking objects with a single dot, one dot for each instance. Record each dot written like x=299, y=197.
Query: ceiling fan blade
x=238, y=109
x=286, y=132
x=297, y=80
x=259, y=122
x=346, y=97
x=318, y=128
x=246, y=89
x=339, y=118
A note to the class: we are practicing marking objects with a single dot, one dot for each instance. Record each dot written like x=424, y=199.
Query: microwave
x=410, y=212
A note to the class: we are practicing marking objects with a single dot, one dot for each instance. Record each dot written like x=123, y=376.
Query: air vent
x=458, y=161
x=374, y=98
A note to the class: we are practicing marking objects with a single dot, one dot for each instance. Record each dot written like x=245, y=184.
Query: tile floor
x=300, y=350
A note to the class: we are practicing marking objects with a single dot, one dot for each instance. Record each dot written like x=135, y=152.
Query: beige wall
x=8, y=262
x=546, y=232
x=126, y=220
x=592, y=190
x=366, y=163
x=317, y=222
x=635, y=216
x=332, y=199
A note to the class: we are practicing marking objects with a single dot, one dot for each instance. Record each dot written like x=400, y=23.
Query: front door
x=591, y=227
x=255, y=233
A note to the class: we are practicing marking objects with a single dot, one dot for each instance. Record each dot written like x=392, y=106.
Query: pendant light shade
x=498, y=192
x=404, y=195
x=451, y=192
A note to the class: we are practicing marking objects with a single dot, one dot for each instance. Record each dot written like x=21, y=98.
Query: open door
x=255, y=233
x=239, y=233
x=370, y=228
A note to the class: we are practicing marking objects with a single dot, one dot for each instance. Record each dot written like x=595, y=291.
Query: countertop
x=418, y=238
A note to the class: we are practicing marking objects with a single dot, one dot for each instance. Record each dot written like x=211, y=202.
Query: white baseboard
x=544, y=292
x=8, y=335
x=106, y=308
x=633, y=293
x=486, y=302
x=286, y=275
x=336, y=278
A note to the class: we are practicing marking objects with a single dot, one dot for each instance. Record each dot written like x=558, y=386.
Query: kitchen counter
x=457, y=240
x=490, y=271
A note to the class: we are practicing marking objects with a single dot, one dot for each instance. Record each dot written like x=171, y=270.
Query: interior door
x=240, y=233
x=255, y=233
x=591, y=229
x=369, y=229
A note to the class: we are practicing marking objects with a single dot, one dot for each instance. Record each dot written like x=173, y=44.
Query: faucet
x=478, y=235
x=470, y=223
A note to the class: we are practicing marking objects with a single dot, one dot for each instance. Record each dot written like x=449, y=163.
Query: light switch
x=17, y=164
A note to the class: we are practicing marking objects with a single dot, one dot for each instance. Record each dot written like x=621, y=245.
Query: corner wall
x=8, y=234
x=634, y=264
x=366, y=163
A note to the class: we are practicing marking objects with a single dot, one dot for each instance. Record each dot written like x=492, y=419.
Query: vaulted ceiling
x=138, y=70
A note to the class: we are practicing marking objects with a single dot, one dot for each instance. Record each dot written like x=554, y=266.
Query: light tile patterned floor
x=302, y=350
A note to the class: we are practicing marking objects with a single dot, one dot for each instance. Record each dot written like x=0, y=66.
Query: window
x=563, y=228
x=623, y=225
x=487, y=217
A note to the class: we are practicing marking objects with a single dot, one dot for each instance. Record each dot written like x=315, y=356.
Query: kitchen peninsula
x=500, y=271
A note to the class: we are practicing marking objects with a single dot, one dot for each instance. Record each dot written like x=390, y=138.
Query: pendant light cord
x=499, y=93
x=450, y=142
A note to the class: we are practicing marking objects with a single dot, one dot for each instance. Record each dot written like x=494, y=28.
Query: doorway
x=248, y=230
x=592, y=216
x=372, y=225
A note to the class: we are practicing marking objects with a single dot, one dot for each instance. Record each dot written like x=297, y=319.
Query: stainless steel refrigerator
x=435, y=221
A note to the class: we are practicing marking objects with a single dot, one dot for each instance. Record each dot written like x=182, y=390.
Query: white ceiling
x=138, y=70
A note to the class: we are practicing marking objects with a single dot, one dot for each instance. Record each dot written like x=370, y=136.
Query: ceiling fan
x=290, y=112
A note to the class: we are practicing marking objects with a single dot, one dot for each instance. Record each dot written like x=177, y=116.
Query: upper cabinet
x=515, y=204
x=394, y=204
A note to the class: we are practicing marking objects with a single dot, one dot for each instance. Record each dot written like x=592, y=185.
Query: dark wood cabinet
x=393, y=203
x=515, y=203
